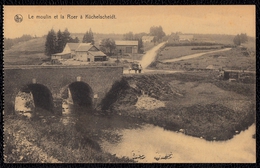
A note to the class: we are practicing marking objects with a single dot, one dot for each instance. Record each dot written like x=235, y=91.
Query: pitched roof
x=97, y=53
x=126, y=43
x=84, y=46
x=73, y=46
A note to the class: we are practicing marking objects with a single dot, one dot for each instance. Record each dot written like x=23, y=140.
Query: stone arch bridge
x=47, y=84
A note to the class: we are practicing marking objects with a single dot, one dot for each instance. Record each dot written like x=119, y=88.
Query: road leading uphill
x=148, y=58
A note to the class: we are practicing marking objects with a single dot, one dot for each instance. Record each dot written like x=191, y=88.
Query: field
x=236, y=58
x=179, y=51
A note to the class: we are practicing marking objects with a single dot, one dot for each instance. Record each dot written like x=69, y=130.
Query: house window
x=88, y=59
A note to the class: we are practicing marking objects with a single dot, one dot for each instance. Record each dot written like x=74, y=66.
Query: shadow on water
x=96, y=127
x=42, y=96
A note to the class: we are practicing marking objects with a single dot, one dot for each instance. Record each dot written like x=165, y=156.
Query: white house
x=89, y=52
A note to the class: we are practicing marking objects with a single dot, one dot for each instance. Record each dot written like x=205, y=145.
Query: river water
x=146, y=143
x=154, y=144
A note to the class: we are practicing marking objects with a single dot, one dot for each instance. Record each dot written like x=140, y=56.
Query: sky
x=202, y=19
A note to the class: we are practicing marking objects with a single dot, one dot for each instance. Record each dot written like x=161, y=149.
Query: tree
x=243, y=38
x=76, y=40
x=157, y=32
x=66, y=38
x=88, y=37
x=50, y=44
x=60, y=44
x=129, y=36
x=8, y=43
x=240, y=38
x=237, y=40
x=108, y=45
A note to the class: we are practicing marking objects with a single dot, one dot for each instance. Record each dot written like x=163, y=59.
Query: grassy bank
x=47, y=140
x=236, y=58
x=193, y=103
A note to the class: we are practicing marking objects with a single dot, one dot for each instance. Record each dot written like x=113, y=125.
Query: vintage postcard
x=130, y=84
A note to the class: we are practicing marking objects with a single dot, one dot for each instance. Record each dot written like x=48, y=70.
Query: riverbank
x=195, y=104
x=48, y=140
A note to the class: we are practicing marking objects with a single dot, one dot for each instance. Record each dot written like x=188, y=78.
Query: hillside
x=221, y=39
x=98, y=37
x=35, y=45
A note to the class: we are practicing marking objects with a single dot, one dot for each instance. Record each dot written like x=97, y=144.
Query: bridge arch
x=80, y=93
x=42, y=96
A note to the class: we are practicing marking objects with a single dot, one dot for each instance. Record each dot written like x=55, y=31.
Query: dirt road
x=148, y=57
x=193, y=55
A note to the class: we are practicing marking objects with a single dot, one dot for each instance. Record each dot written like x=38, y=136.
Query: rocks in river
x=136, y=155
x=166, y=156
x=182, y=130
x=24, y=103
x=148, y=103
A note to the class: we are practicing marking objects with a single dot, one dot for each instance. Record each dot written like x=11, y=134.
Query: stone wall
x=56, y=78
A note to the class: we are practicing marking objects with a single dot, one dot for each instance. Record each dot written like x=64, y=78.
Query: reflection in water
x=154, y=144
x=128, y=137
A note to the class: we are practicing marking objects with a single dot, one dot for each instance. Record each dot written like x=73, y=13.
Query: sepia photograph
x=129, y=84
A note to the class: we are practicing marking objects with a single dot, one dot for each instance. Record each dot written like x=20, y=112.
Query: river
x=153, y=144
x=146, y=143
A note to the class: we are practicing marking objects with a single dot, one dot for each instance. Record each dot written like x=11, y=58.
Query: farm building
x=185, y=37
x=181, y=38
x=126, y=47
x=71, y=48
x=89, y=52
x=147, y=39
x=81, y=52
